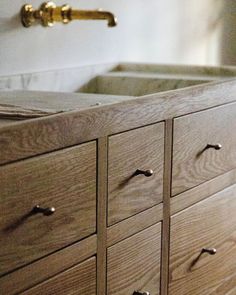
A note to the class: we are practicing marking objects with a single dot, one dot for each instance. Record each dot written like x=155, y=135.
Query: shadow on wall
x=9, y=24
x=227, y=50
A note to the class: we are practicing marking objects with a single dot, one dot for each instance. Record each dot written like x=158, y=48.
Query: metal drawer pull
x=211, y=251
x=217, y=146
x=45, y=211
x=141, y=293
x=146, y=173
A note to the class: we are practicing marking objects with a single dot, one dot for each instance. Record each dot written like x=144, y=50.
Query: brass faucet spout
x=94, y=15
x=48, y=13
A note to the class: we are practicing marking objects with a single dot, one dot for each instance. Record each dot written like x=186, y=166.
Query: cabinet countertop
x=76, y=118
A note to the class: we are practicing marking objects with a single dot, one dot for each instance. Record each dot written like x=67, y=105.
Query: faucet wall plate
x=27, y=18
x=48, y=13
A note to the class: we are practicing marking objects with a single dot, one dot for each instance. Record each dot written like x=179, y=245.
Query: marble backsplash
x=66, y=80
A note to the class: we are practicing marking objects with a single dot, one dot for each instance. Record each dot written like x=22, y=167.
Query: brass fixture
x=48, y=13
x=146, y=173
x=45, y=211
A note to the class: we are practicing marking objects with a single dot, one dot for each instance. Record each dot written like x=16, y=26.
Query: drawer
x=65, y=180
x=194, y=161
x=208, y=224
x=140, y=149
x=134, y=263
x=80, y=279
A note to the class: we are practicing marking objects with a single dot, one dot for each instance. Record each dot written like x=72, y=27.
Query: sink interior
x=37, y=94
x=141, y=79
x=136, y=84
x=119, y=80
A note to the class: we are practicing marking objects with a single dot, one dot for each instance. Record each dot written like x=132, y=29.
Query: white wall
x=166, y=31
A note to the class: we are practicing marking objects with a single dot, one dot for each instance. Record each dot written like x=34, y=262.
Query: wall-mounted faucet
x=48, y=13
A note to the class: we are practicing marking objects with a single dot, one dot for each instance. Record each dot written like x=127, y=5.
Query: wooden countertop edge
x=28, y=138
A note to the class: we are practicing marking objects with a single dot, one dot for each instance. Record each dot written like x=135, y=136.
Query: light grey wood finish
x=211, y=224
x=28, y=102
x=37, y=136
x=135, y=242
x=102, y=216
x=203, y=191
x=134, y=264
x=9, y=111
x=134, y=224
x=51, y=265
x=78, y=280
x=192, y=162
x=166, y=208
x=65, y=180
x=129, y=194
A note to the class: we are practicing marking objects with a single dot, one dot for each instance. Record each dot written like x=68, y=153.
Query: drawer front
x=193, y=162
x=128, y=193
x=65, y=180
x=208, y=224
x=81, y=279
x=134, y=264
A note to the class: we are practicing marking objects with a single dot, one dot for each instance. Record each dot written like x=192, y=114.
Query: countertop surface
x=37, y=122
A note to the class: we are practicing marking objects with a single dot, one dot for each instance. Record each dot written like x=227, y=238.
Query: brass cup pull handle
x=141, y=293
x=45, y=211
x=146, y=173
x=217, y=146
x=211, y=251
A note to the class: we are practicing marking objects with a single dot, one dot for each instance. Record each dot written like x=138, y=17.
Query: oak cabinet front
x=203, y=146
x=203, y=247
x=135, y=174
x=78, y=280
x=134, y=263
x=64, y=181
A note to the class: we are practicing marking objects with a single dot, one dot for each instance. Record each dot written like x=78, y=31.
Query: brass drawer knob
x=146, y=173
x=217, y=146
x=211, y=251
x=45, y=211
x=141, y=293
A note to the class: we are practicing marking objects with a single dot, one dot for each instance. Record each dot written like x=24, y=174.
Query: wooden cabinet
x=139, y=149
x=194, y=160
x=80, y=279
x=134, y=264
x=195, y=233
x=139, y=187
x=65, y=180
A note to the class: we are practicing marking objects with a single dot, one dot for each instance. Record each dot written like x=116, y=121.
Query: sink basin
x=140, y=79
x=37, y=94
x=136, y=84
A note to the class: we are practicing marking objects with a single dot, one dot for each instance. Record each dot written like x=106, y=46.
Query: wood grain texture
x=8, y=111
x=65, y=180
x=129, y=194
x=134, y=264
x=166, y=207
x=37, y=136
x=203, y=191
x=192, y=165
x=32, y=274
x=210, y=223
x=80, y=279
x=102, y=216
x=134, y=224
